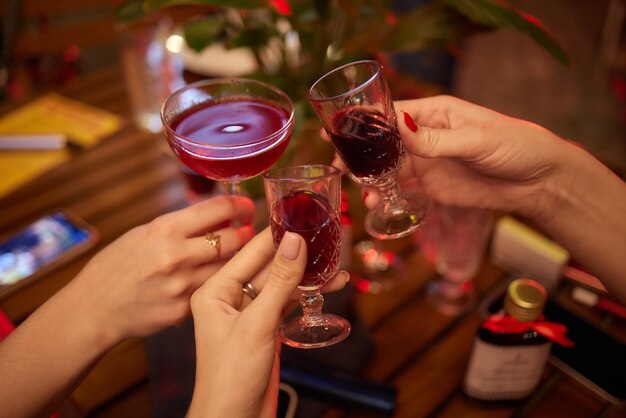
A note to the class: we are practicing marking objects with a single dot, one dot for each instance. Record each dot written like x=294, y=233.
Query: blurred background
x=558, y=63
x=586, y=102
x=47, y=44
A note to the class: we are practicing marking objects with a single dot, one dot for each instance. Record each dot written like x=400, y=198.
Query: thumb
x=426, y=142
x=284, y=276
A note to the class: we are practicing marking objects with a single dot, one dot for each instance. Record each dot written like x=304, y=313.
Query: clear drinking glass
x=228, y=129
x=152, y=64
x=307, y=200
x=356, y=109
x=462, y=236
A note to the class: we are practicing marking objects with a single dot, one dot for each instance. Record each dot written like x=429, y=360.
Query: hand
x=466, y=155
x=138, y=285
x=237, y=372
x=143, y=281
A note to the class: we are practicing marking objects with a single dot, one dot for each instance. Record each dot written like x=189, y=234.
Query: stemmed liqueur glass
x=355, y=107
x=307, y=200
x=228, y=129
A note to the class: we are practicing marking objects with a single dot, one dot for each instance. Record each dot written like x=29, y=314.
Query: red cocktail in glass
x=312, y=216
x=306, y=200
x=228, y=129
x=355, y=106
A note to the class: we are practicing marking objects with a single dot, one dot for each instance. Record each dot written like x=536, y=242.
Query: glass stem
x=454, y=289
x=311, y=302
x=233, y=188
x=390, y=195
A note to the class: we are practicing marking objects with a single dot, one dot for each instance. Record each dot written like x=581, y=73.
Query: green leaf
x=130, y=10
x=366, y=38
x=201, y=33
x=240, y=4
x=431, y=26
x=365, y=29
x=322, y=7
x=133, y=9
x=499, y=14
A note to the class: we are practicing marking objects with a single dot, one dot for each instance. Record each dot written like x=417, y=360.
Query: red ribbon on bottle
x=506, y=324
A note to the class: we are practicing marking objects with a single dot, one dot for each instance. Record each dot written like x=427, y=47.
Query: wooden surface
x=424, y=353
x=128, y=180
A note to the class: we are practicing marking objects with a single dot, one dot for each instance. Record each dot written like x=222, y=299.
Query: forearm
x=46, y=357
x=214, y=395
x=218, y=392
x=588, y=217
x=218, y=400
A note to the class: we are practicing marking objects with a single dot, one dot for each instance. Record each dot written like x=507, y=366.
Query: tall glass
x=356, y=109
x=152, y=64
x=307, y=200
x=461, y=239
x=228, y=129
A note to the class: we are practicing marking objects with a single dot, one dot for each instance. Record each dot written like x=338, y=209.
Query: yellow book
x=85, y=125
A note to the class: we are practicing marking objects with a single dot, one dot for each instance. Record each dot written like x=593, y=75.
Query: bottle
x=509, y=351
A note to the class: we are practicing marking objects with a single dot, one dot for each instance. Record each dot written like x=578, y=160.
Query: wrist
x=573, y=192
x=553, y=197
x=90, y=319
x=211, y=398
x=556, y=192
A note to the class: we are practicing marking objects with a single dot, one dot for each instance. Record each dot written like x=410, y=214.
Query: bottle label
x=504, y=372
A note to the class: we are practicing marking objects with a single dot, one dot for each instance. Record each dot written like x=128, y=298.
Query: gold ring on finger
x=213, y=240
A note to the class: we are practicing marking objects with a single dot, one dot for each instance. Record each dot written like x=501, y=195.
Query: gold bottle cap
x=525, y=300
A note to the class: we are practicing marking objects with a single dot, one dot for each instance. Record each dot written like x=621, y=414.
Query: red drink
x=368, y=144
x=229, y=139
x=312, y=217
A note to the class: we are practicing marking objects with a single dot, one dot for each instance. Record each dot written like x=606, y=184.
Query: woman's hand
x=138, y=285
x=143, y=282
x=237, y=372
x=466, y=155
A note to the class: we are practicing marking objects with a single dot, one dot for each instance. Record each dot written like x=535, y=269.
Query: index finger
x=212, y=213
x=444, y=111
x=248, y=262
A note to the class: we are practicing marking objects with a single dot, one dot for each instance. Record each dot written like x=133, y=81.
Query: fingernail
x=245, y=233
x=365, y=194
x=290, y=245
x=347, y=275
x=410, y=123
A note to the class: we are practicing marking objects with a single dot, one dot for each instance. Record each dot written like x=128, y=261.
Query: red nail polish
x=365, y=194
x=410, y=123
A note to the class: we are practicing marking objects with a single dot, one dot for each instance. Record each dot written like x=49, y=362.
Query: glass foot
x=398, y=220
x=331, y=330
x=381, y=269
x=451, y=299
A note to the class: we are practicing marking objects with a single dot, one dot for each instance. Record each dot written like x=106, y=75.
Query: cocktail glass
x=307, y=200
x=228, y=129
x=355, y=107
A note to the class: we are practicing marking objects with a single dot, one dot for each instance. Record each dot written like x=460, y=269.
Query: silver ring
x=249, y=290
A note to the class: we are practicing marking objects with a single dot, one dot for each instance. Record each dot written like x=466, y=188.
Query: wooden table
x=424, y=353
x=124, y=181
x=128, y=180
